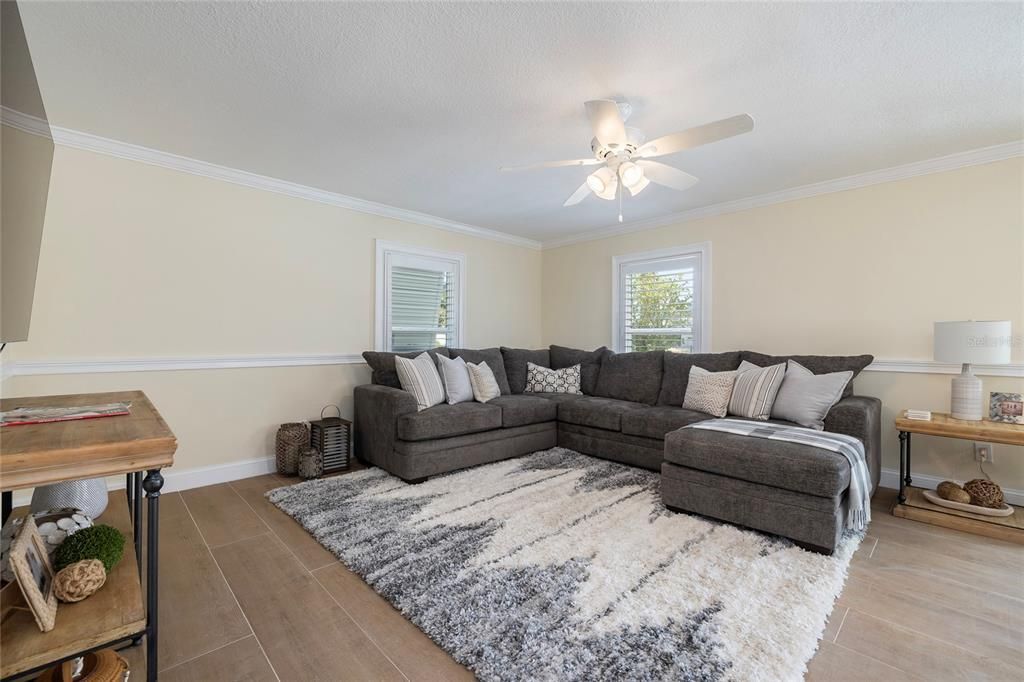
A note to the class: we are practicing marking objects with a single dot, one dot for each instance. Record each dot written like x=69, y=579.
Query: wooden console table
x=911, y=503
x=138, y=445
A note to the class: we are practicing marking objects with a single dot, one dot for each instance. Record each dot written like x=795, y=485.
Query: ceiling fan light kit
x=624, y=154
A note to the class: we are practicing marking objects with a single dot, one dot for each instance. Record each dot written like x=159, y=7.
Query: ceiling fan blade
x=553, y=164
x=606, y=121
x=695, y=137
x=579, y=195
x=667, y=175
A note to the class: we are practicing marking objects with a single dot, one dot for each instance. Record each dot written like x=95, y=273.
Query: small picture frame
x=34, y=574
x=1006, y=407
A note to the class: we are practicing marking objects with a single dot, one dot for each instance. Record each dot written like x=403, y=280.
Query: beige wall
x=144, y=262
x=866, y=270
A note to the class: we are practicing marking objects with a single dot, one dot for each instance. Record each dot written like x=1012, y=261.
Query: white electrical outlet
x=983, y=452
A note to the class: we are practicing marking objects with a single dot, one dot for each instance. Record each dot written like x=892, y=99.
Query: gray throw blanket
x=858, y=501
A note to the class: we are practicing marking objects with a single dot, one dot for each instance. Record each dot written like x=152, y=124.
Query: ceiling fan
x=624, y=156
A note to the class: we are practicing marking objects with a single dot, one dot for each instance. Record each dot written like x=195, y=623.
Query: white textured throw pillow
x=455, y=377
x=485, y=386
x=419, y=376
x=544, y=380
x=805, y=397
x=754, y=392
x=709, y=391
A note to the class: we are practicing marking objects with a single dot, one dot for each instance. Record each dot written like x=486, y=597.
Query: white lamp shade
x=979, y=343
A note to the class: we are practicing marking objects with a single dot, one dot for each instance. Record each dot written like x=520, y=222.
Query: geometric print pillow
x=709, y=392
x=543, y=380
x=755, y=390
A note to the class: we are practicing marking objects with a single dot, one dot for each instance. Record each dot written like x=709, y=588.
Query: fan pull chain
x=620, y=202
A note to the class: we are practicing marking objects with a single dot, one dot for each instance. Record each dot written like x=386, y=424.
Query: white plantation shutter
x=658, y=303
x=421, y=306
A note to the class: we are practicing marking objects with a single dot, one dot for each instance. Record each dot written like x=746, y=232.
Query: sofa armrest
x=860, y=417
x=377, y=410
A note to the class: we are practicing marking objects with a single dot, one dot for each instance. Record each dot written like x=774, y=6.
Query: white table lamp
x=978, y=343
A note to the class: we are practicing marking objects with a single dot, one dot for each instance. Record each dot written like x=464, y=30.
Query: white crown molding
x=124, y=150
x=101, y=145
x=974, y=157
x=933, y=367
x=891, y=479
x=108, y=365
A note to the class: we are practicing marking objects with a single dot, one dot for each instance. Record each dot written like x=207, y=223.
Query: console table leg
x=908, y=481
x=152, y=484
x=137, y=516
x=901, y=498
x=8, y=505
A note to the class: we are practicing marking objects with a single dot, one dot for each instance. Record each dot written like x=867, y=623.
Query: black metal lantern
x=332, y=436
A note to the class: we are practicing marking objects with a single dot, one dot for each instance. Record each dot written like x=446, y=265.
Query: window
x=420, y=298
x=662, y=299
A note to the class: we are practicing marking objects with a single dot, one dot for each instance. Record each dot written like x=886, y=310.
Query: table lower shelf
x=113, y=613
x=918, y=508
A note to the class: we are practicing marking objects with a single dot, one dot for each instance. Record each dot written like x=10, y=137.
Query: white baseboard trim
x=184, y=479
x=891, y=479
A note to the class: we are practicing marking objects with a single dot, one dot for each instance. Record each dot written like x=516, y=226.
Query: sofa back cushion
x=515, y=365
x=383, y=364
x=589, y=362
x=818, y=364
x=492, y=356
x=631, y=376
x=677, y=372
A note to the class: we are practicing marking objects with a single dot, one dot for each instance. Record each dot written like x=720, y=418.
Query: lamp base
x=966, y=396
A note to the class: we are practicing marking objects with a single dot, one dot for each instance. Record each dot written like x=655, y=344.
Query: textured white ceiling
x=417, y=105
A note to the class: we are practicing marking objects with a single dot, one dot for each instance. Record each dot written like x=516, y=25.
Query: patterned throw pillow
x=419, y=376
x=543, y=380
x=755, y=390
x=485, y=386
x=709, y=391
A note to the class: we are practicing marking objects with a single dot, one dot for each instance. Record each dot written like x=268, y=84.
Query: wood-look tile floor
x=247, y=594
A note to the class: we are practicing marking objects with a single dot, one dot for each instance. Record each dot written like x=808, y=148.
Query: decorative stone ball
x=984, y=493
x=948, y=490
x=79, y=580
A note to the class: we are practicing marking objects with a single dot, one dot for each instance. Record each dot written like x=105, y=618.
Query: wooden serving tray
x=932, y=497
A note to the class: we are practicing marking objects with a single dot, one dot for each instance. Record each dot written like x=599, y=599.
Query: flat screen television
x=26, y=156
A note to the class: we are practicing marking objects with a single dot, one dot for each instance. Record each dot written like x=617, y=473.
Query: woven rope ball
x=79, y=580
x=984, y=493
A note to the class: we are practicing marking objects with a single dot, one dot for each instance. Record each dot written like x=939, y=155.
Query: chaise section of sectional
x=788, y=489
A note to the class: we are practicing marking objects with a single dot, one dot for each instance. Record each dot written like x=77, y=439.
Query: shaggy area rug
x=561, y=566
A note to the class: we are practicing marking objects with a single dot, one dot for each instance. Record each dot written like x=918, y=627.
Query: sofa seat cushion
x=444, y=421
x=520, y=410
x=790, y=466
x=600, y=413
x=655, y=422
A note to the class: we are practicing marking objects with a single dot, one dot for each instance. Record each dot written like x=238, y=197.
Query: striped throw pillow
x=419, y=376
x=755, y=390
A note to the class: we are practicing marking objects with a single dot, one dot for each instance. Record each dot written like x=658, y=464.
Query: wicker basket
x=291, y=438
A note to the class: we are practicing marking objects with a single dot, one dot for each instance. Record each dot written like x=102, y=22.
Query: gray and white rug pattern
x=559, y=566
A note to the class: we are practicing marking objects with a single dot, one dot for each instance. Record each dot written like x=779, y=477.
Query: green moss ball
x=105, y=543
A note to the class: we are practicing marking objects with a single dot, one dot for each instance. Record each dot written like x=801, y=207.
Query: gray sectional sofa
x=630, y=412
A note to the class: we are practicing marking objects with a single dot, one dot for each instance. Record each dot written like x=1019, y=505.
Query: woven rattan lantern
x=290, y=438
x=332, y=436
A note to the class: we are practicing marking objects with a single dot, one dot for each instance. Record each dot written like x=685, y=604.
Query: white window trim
x=381, y=320
x=702, y=317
